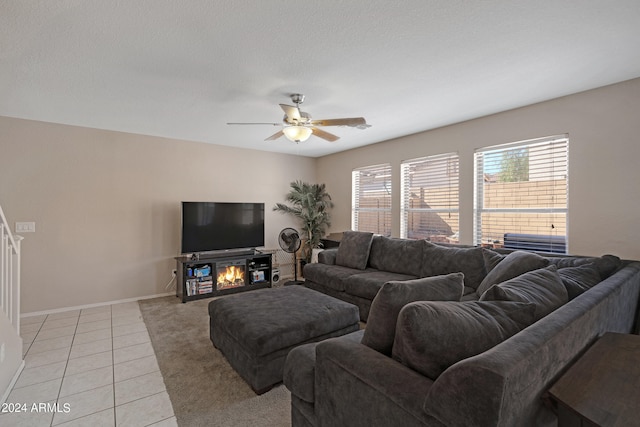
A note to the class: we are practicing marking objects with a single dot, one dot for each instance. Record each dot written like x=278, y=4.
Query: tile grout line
x=65, y=365
x=113, y=372
x=36, y=336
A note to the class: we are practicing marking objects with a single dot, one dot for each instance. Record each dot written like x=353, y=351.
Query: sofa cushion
x=331, y=276
x=578, y=279
x=438, y=260
x=564, y=262
x=512, y=265
x=431, y=336
x=354, y=249
x=381, y=324
x=396, y=255
x=542, y=287
x=472, y=296
x=367, y=284
x=491, y=259
x=606, y=264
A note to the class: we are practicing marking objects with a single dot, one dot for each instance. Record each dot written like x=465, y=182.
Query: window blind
x=371, y=199
x=521, y=192
x=430, y=198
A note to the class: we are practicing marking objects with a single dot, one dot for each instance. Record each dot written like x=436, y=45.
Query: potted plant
x=309, y=203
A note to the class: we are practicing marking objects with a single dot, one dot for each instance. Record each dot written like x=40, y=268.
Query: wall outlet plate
x=25, y=227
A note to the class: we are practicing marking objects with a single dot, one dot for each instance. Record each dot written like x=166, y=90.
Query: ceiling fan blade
x=293, y=113
x=275, y=136
x=325, y=135
x=358, y=122
x=270, y=124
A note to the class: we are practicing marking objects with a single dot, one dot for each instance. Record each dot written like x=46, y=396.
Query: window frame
x=551, y=167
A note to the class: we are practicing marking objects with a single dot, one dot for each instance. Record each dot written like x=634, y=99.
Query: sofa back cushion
x=396, y=255
x=578, y=279
x=542, y=287
x=606, y=264
x=431, y=336
x=381, y=323
x=438, y=260
x=354, y=248
x=512, y=265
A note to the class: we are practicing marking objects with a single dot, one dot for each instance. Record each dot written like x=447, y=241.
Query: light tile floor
x=91, y=367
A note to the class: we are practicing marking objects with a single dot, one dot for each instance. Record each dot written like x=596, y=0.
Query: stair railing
x=9, y=273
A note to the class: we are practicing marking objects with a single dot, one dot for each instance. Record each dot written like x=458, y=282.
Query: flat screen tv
x=217, y=226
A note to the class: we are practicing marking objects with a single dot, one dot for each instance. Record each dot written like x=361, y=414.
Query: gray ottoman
x=255, y=330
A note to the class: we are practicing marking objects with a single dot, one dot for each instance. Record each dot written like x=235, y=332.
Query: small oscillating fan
x=290, y=242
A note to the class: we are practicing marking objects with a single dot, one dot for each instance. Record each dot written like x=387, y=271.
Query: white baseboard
x=100, y=304
x=5, y=395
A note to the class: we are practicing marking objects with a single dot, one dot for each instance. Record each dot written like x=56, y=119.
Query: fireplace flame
x=231, y=276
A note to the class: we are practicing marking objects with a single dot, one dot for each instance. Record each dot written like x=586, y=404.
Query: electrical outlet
x=25, y=227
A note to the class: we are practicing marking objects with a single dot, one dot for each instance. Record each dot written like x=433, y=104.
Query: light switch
x=25, y=227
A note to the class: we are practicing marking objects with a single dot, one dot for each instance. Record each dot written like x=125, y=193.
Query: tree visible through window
x=521, y=194
x=514, y=165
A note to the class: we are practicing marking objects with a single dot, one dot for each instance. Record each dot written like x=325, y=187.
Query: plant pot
x=314, y=254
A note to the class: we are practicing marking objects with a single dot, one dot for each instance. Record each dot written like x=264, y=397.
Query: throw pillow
x=381, y=323
x=542, y=287
x=578, y=279
x=431, y=336
x=353, y=251
x=512, y=265
x=438, y=260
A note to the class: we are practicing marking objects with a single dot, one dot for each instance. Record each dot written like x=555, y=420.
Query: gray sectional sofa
x=454, y=342
x=355, y=271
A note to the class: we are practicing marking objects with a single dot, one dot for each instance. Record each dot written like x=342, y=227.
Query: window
x=429, y=202
x=521, y=194
x=371, y=203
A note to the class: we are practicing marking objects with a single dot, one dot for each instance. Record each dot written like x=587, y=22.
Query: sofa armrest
x=358, y=386
x=299, y=371
x=328, y=256
x=467, y=391
x=300, y=367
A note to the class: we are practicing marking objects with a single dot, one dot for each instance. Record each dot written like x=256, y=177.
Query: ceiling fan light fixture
x=297, y=133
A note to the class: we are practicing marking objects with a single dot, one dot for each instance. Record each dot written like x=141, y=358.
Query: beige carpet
x=203, y=387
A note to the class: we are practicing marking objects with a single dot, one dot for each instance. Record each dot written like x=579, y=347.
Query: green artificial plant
x=309, y=203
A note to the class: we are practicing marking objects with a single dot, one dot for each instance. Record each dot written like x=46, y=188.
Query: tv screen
x=213, y=226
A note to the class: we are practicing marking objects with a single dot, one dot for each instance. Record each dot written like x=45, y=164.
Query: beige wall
x=604, y=153
x=107, y=205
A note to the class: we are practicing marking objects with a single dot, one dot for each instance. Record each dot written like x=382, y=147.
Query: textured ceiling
x=183, y=69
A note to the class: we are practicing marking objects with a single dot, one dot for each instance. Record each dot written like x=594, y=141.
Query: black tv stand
x=221, y=273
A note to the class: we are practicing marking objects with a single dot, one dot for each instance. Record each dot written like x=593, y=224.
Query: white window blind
x=430, y=198
x=521, y=192
x=371, y=199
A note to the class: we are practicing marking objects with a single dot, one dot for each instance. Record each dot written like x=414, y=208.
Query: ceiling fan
x=298, y=125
